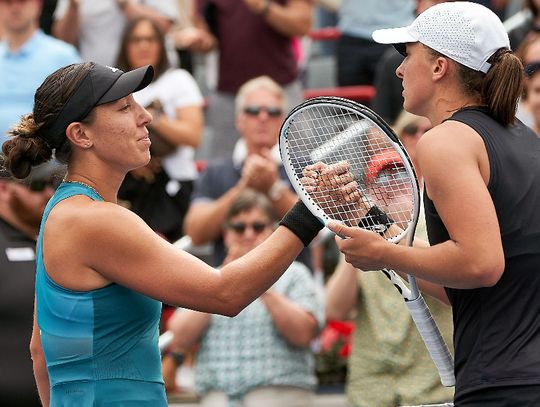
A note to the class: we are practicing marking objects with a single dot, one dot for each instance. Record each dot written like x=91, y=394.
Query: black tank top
x=497, y=329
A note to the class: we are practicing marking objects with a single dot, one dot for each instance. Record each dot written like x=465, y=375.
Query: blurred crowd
x=227, y=74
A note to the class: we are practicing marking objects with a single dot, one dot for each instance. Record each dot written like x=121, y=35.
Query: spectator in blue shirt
x=27, y=57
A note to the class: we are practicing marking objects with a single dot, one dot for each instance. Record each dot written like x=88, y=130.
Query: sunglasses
x=271, y=111
x=240, y=228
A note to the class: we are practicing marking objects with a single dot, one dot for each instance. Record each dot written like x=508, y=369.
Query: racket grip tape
x=433, y=340
x=302, y=223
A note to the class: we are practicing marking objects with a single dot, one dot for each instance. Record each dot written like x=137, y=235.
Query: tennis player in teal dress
x=102, y=272
x=100, y=345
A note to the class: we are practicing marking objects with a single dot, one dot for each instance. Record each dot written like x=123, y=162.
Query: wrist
x=276, y=191
x=123, y=3
x=177, y=357
x=265, y=9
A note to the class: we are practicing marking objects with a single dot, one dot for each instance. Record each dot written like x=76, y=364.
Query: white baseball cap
x=466, y=32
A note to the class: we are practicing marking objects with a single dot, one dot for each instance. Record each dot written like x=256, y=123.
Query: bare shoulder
x=450, y=142
x=80, y=219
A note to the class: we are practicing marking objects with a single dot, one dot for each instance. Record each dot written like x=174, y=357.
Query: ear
x=441, y=67
x=78, y=136
x=239, y=123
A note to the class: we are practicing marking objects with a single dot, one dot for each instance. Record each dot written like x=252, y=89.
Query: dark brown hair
x=530, y=5
x=499, y=89
x=28, y=146
x=123, y=62
x=248, y=200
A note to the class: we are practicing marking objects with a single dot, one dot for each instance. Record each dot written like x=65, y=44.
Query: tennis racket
x=329, y=132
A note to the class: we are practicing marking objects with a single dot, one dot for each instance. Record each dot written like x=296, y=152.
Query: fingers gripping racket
x=366, y=166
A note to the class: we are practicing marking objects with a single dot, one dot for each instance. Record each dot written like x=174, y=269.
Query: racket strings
x=330, y=134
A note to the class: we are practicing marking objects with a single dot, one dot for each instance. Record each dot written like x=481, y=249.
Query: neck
x=104, y=188
x=16, y=40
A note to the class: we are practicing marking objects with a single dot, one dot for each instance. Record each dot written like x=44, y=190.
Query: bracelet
x=266, y=8
x=376, y=221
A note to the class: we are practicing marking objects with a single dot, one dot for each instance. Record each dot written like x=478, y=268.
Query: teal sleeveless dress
x=101, y=346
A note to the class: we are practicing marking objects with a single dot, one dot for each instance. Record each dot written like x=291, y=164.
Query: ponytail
x=502, y=86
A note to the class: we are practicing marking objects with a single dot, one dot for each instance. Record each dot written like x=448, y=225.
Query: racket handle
x=433, y=340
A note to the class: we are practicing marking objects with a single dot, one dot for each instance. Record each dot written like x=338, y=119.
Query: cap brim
x=128, y=83
x=399, y=35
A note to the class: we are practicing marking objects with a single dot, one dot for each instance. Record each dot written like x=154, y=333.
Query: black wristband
x=302, y=223
x=376, y=221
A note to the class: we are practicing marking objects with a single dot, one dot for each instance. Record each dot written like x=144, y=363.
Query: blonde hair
x=260, y=82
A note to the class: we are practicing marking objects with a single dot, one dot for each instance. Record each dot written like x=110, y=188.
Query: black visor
x=103, y=84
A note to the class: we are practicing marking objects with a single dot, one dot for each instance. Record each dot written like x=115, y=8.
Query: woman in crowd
x=160, y=192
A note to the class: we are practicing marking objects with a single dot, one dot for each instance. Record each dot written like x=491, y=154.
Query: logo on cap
x=112, y=68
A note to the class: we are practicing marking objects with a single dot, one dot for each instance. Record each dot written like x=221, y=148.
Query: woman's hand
x=363, y=249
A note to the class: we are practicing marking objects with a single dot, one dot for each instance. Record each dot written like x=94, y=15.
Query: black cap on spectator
x=103, y=84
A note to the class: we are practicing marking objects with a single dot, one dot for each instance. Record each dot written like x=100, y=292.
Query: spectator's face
x=533, y=96
x=143, y=46
x=19, y=16
x=261, y=119
x=246, y=231
x=532, y=54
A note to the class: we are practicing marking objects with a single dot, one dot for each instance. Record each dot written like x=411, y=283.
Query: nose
x=399, y=71
x=145, y=116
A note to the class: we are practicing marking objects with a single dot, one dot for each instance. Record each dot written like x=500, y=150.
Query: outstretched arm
x=291, y=19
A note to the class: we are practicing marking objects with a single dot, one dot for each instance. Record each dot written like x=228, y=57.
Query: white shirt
x=102, y=24
x=175, y=89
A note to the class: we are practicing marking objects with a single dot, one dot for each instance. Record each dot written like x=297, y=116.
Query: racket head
x=331, y=130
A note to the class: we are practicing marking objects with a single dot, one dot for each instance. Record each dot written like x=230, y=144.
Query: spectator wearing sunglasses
x=21, y=207
x=255, y=164
x=261, y=357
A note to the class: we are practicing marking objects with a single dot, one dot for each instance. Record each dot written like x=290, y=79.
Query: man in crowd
x=21, y=207
x=254, y=164
x=27, y=57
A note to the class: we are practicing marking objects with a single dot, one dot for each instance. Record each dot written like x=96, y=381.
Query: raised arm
x=473, y=256
x=101, y=250
x=187, y=327
x=184, y=129
x=341, y=291
x=67, y=27
x=292, y=19
x=296, y=324
x=133, y=9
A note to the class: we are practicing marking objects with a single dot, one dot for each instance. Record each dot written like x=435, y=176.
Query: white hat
x=466, y=32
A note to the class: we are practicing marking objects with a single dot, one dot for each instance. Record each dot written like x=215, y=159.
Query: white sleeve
x=187, y=92
x=168, y=8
